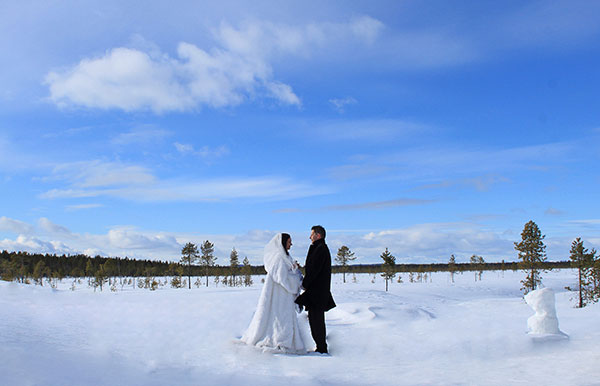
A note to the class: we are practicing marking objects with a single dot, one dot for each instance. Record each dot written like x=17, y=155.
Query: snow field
x=434, y=333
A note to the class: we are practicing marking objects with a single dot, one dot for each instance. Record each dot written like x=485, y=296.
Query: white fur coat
x=275, y=322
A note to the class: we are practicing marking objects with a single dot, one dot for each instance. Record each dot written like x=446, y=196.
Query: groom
x=317, y=283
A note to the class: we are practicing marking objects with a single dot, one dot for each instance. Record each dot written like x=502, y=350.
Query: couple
x=275, y=323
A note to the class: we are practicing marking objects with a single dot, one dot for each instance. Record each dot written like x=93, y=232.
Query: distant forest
x=22, y=265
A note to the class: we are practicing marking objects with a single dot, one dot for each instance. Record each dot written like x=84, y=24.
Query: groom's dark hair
x=320, y=230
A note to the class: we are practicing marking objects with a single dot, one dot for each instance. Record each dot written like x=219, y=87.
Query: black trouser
x=316, y=319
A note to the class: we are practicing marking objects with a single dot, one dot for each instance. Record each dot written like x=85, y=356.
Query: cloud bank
x=420, y=243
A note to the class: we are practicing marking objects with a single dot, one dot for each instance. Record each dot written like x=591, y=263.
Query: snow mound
x=364, y=313
x=544, y=323
x=402, y=312
x=350, y=313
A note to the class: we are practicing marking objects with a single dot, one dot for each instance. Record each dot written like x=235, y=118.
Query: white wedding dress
x=274, y=325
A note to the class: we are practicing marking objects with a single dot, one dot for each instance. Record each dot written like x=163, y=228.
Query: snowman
x=544, y=324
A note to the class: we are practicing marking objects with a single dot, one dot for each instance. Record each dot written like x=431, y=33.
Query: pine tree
x=189, y=256
x=110, y=268
x=584, y=262
x=532, y=254
x=595, y=275
x=477, y=263
x=247, y=272
x=12, y=269
x=89, y=268
x=344, y=255
x=100, y=277
x=207, y=259
x=40, y=271
x=234, y=263
x=452, y=267
x=481, y=264
x=388, y=267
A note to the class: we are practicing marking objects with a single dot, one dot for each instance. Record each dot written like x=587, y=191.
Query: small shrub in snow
x=176, y=282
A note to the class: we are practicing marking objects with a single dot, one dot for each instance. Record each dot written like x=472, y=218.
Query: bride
x=275, y=323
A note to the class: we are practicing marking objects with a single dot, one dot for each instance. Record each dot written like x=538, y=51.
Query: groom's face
x=314, y=236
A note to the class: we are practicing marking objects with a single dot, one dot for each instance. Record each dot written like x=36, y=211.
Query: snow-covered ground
x=434, y=333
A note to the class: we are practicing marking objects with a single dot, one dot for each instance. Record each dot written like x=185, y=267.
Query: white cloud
x=263, y=39
x=35, y=245
x=217, y=189
x=237, y=69
x=14, y=226
x=68, y=133
x=131, y=239
x=204, y=152
x=283, y=93
x=340, y=103
x=141, y=135
x=428, y=48
x=554, y=212
x=132, y=182
x=83, y=206
x=361, y=206
x=589, y=223
x=123, y=78
x=48, y=226
x=57, y=239
x=184, y=148
x=133, y=242
x=480, y=183
x=379, y=204
x=433, y=242
x=130, y=80
x=367, y=28
x=96, y=173
x=376, y=130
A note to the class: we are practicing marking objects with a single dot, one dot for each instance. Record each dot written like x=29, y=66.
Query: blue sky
x=429, y=128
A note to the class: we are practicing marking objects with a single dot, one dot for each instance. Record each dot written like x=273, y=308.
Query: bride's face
x=288, y=245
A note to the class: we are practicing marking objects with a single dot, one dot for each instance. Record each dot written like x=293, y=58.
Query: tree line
x=531, y=253
x=21, y=265
x=197, y=262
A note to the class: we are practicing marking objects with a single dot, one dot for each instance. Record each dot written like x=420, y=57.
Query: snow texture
x=430, y=333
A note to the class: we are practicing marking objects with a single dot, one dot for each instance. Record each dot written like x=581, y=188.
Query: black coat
x=317, y=279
